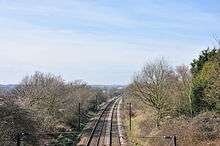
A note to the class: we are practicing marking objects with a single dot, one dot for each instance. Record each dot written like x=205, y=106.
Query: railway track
x=105, y=130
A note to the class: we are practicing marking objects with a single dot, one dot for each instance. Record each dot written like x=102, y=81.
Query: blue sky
x=101, y=41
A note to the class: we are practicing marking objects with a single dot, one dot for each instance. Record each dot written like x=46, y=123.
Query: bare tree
x=42, y=94
x=184, y=85
x=45, y=103
x=152, y=86
x=53, y=100
x=14, y=120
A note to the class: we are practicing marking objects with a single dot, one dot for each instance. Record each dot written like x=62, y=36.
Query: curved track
x=105, y=131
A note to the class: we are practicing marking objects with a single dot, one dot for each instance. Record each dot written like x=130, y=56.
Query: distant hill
x=8, y=86
x=108, y=87
x=103, y=87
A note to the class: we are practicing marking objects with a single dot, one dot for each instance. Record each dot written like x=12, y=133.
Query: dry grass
x=202, y=130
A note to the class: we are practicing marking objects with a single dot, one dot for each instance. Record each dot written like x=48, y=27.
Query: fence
x=167, y=140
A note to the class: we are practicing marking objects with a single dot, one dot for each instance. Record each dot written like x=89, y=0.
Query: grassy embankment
x=202, y=130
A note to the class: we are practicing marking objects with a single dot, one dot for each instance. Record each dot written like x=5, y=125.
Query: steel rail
x=98, y=121
x=112, y=116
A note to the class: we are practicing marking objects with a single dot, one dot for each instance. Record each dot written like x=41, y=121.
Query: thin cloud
x=89, y=39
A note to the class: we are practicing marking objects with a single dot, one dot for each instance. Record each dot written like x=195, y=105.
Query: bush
x=206, y=83
x=15, y=120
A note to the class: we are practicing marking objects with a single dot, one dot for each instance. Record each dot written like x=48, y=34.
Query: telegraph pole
x=79, y=127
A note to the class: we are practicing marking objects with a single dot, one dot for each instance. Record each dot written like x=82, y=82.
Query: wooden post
x=18, y=139
x=174, y=140
x=79, y=122
x=130, y=115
